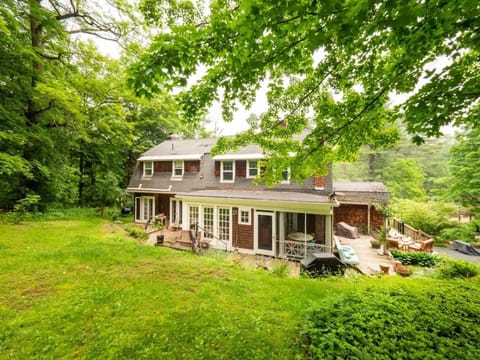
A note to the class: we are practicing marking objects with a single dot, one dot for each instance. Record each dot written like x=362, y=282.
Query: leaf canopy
x=331, y=66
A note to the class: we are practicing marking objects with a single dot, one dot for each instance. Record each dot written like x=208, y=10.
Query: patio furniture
x=392, y=243
x=424, y=246
x=345, y=230
x=346, y=253
x=322, y=264
x=161, y=218
x=299, y=236
x=465, y=248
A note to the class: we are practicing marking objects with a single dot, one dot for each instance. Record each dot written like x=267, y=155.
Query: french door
x=144, y=208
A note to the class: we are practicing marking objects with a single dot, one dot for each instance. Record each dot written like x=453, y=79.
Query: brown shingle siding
x=162, y=166
x=192, y=166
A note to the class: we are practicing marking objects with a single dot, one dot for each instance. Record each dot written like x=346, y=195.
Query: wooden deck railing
x=407, y=230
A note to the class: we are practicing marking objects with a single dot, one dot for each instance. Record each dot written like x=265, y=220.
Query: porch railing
x=407, y=230
x=294, y=249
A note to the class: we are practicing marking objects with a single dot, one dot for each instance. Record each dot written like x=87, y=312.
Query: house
x=360, y=204
x=181, y=182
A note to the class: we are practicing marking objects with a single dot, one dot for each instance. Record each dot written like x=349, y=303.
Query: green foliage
x=405, y=179
x=458, y=231
x=401, y=323
x=281, y=269
x=422, y=259
x=70, y=128
x=455, y=269
x=429, y=217
x=464, y=166
x=330, y=66
x=136, y=232
x=79, y=288
x=23, y=208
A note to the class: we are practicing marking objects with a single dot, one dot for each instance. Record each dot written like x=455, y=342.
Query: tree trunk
x=36, y=32
x=371, y=163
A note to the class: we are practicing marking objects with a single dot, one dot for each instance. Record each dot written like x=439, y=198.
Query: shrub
x=136, y=232
x=401, y=323
x=429, y=217
x=458, y=231
x=416, y=258
x=453, y=269
x=23, y=208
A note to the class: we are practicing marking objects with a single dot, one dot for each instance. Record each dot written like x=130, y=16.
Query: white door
x=264, y=233
x=144, y=208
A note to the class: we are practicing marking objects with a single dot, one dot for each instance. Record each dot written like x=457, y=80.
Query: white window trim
x=217, y=225
x=145, y=167
x=240, y=216
x=173, y=169
x=248, y=169
x=288, y=176
x=233, y=172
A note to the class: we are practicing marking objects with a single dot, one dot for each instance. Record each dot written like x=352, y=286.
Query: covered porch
x=278, y=224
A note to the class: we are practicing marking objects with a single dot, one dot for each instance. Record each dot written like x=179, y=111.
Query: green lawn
x=82, y=289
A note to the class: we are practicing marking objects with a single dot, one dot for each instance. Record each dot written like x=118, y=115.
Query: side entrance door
x=264, y=233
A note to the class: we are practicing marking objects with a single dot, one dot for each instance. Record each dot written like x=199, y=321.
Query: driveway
x=457, y=255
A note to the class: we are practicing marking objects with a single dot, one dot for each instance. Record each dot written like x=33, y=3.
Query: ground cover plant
x=416, y=258
x=82, y=288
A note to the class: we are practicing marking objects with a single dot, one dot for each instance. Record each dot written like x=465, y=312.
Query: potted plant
x=381, y=240
x=375, y=243
x=404, y=270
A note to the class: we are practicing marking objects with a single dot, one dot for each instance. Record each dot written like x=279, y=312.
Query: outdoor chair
x=392, y=243
x=424, y=246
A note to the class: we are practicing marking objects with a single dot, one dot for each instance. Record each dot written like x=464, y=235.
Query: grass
x=83, y=289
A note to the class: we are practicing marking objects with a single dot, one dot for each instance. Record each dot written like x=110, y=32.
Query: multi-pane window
x=193, y=215
x=244, y=216
x=148, y=168
x=224, y=224
x=208, y=222
x=178, y=168
x=228, y=171
x=252, y=168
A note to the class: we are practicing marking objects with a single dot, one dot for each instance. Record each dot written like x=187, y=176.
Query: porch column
x=369, y=228
x=328, y=231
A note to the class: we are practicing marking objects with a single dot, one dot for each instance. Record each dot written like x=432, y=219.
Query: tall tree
x=69, y=126
x=330, y=65
x=465, y=169
x=404, y=179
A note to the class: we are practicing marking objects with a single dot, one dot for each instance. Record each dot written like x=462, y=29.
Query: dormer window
x=286, y=176
x=228, y=171
x=178, y=169
x=252, y=168
x=147, y=168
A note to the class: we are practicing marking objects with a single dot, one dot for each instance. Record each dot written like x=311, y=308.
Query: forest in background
x=70, y=127
x=432, y=186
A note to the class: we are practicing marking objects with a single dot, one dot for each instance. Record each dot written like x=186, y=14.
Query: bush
x=136, y=232
x=402, y=323
x=458, y=231
x=416, y=258
x=454, y=269
x=429, y=217
x=23, y=208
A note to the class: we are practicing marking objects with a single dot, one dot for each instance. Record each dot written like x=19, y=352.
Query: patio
x=370, y=260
